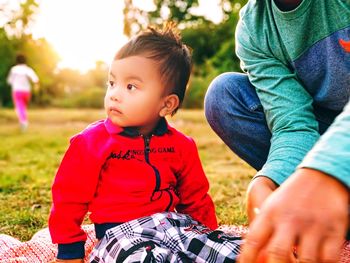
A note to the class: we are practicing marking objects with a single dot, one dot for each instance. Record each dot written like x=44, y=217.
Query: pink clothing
x=21, y=100
x=19, y=78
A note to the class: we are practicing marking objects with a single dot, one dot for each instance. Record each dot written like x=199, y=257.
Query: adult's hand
x=258, y=190
x=310, y=211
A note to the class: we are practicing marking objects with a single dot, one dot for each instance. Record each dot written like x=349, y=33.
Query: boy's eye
x=110, y=84
x=131, y=87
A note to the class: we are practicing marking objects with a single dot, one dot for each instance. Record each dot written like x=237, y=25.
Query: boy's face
x=135, y=94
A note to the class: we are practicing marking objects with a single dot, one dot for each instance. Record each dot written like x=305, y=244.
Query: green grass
x=28, y=162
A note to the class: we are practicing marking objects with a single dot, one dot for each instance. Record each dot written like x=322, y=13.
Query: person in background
x=296, y=57
x=20, y=77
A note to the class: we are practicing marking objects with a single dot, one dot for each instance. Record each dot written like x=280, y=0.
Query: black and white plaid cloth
x=165, y=237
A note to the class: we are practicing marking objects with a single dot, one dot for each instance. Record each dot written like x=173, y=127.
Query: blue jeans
x=234, y=112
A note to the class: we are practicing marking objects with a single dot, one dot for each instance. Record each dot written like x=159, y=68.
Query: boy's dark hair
x=165, y=47
x=21, y=59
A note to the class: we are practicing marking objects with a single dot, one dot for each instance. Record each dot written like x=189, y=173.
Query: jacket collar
x=161, y=129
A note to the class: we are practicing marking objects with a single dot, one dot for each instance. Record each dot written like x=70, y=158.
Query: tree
x=211, y=43
x=20, y=20
x=136, y=19
x=7, y=56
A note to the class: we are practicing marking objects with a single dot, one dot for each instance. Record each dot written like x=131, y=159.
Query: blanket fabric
x=41, y=250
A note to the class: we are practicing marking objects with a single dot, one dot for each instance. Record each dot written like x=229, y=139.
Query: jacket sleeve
x=287, y=105
x=193, y=189
x=32, y=75
x=73, y=188
x=331, y=153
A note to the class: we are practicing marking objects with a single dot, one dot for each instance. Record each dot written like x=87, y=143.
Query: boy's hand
x=259, y=189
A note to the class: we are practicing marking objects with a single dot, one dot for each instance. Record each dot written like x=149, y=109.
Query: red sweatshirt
x=118, y=175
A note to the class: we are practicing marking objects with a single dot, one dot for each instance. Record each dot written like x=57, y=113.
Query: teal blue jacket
x=331, y=154
x=295, y=60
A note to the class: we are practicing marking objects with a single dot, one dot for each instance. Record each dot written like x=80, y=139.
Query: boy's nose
x=116, y=94
x=114, y=97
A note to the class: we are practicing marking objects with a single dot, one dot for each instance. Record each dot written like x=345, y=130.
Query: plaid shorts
x=165, y=237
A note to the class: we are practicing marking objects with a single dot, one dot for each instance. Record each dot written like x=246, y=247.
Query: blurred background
x=69, y=43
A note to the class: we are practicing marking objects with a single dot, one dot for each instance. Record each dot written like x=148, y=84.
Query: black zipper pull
x=147, y=139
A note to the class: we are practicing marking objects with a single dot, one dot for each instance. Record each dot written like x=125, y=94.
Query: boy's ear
x=171, y=102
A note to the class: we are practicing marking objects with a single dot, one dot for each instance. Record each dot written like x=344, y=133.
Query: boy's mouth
x=115, y=110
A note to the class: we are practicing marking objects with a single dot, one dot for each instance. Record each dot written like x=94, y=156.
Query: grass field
x=28, y=162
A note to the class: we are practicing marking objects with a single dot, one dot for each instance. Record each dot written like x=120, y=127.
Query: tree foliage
x=19, y=21
x=136, y=19
x=211, y=43
x=7, y=56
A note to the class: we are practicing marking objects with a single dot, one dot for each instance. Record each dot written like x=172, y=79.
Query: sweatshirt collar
x=161, y=128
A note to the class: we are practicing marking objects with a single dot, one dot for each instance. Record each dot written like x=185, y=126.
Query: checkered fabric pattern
x=165, y=237
x=40, y=249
